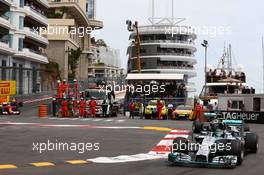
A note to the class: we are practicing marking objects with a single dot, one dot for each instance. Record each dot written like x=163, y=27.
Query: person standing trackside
x=82, y=108
x=75, y=88
x=159, y=109
x=132, y=109
x=64, y=108
x=54, y=107
x=75, y=107
x=104, y=108
x=92, y=106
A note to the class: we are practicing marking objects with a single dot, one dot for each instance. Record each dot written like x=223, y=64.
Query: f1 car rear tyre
x=246, y=127
x=197, y=126
x=180, y=145
x=251, y=142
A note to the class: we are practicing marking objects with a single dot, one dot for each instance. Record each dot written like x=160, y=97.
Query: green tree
x=53, y=68
x=101, y=42
x=73, y=58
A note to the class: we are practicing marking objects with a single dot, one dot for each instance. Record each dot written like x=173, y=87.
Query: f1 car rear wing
x=233, y=122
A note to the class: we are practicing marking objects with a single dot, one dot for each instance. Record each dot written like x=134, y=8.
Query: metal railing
x=167, y=41
x=175, y=54
x=38, y=11
x=175, y=67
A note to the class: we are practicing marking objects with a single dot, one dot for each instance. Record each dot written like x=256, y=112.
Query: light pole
x=205, y=45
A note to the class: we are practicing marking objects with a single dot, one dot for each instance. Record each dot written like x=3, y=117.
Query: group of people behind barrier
x=161, y=111
x=66, y=103
x=67, y=107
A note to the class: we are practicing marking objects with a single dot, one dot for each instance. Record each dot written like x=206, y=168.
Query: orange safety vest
x=82, y=104
x=92, y=104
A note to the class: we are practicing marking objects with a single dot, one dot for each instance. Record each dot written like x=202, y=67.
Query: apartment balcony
x=5, y=48
x=32, y=55
x=33, y=34
x=36, y=14
x=172, y=57
x=73, y=8
x=4, y=22
x=171, y=44
x=44, y=3
x=6, y=2
x=173, y=70
x=95, y=24
x=166, y=29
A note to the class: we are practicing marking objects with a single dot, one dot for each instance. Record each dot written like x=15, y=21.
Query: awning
x=137, y=76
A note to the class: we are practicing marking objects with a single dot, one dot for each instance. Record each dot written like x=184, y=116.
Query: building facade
x=22, y=46
x=70, y=24
x=106, y=66
x=165, y=49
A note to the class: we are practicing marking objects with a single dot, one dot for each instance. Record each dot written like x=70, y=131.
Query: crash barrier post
x=43, y=110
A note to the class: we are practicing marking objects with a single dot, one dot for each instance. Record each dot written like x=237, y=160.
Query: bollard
x=43, y=111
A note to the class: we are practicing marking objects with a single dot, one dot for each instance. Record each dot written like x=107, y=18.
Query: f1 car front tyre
x=197, y=126
x=237, y=149
x=180, y=145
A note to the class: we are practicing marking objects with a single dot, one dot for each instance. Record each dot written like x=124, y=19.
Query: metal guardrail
x=25, y=97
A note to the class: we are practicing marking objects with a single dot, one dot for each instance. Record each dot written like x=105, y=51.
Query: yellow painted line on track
x=156, y=128
x=7, y=166
x=76, y=162
x=42, y=164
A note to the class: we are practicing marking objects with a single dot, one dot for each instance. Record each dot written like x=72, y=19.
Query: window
x=21, y=3
x=10, y=40
x=237, y=104
x=4, y=70
x=14, y=71
x=21, y=22
x=20, y=44
x=90, y=8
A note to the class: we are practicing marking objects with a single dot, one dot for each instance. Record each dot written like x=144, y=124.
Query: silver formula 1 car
x=223, y=143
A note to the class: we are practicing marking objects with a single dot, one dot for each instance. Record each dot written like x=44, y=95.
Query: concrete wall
x=56, y=52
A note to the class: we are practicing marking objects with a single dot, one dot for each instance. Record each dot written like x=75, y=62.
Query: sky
x=241, y=20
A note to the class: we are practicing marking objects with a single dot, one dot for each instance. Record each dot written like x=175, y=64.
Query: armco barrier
x=247, y=116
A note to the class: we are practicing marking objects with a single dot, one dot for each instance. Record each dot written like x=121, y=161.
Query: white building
x=165, y=49
x=21, y=45
x=107, y=65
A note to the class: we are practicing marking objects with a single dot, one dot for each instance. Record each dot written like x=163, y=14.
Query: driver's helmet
x=218, y=132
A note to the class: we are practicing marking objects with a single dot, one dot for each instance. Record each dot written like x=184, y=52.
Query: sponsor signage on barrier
x=7, y=88
x=247, y=116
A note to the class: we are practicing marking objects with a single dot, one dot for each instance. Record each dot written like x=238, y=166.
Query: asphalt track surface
x=16, y=147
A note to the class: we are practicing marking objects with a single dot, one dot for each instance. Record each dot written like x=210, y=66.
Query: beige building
x=70, y=25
